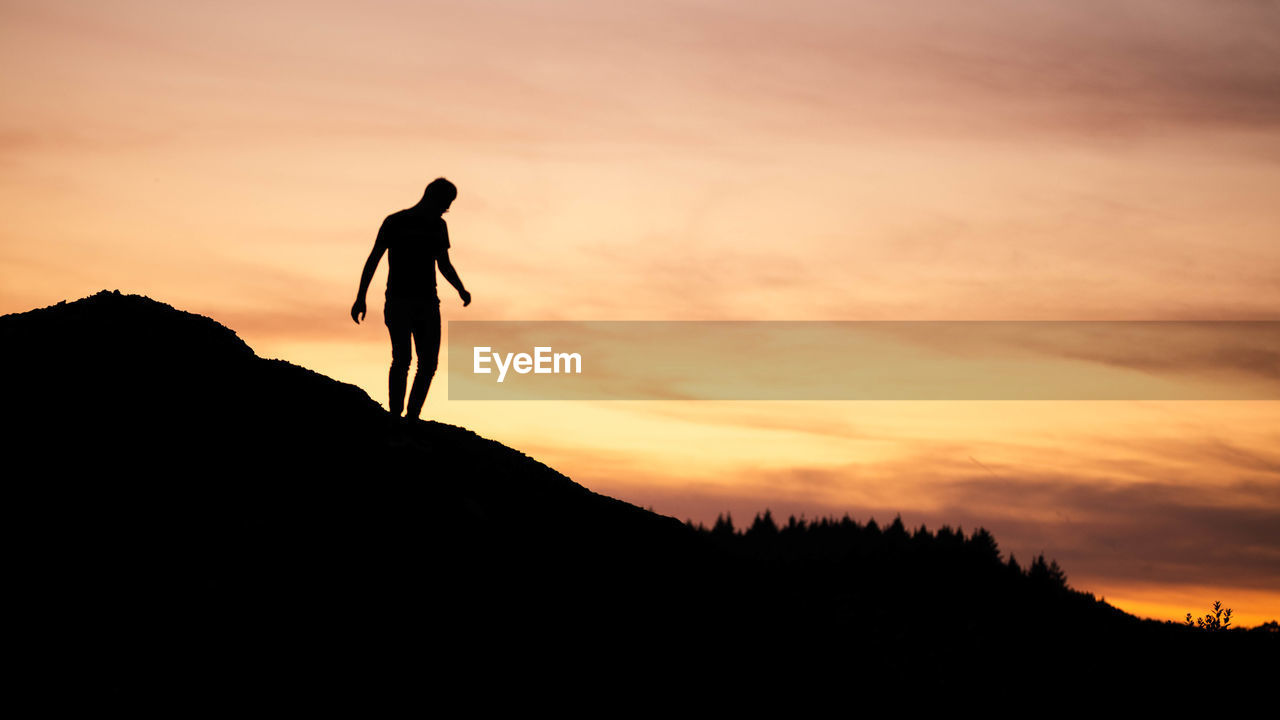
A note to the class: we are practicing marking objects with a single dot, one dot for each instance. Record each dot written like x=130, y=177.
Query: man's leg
x=426, y=338
x=400, y=329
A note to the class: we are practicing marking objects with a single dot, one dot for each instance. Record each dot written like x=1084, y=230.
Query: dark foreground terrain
x=193, y=521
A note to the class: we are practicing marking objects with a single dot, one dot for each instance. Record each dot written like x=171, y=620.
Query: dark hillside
x=191, y=518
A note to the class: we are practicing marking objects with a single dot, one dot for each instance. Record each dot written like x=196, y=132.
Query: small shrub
x=1219, y=619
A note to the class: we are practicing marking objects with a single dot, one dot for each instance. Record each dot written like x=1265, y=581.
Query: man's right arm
x=358, y=310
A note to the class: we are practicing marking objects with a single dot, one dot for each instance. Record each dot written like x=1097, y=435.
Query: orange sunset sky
x=711, y=160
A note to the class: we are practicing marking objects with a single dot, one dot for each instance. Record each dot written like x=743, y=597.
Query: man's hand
x=358, y=310
x=466, y=297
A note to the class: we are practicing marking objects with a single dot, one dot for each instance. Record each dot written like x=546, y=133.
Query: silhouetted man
x=415, y=240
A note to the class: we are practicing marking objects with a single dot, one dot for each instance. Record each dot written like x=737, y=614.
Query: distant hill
x=192, y=518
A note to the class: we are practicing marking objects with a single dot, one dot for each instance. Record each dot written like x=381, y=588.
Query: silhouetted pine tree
x=1013, y=565
x=723, y=527
x=984, y=546
x=763, y=526
x=1047, y=574
x=896, y=533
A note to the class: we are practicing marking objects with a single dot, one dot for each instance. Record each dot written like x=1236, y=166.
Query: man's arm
x=450, y=274
x=379, y=247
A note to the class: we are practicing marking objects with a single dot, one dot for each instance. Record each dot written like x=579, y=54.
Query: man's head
x=439, y=195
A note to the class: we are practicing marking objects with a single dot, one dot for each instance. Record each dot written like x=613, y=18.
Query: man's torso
x=414, y=240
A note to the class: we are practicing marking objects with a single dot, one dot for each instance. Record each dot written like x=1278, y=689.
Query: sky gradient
x=712, y=160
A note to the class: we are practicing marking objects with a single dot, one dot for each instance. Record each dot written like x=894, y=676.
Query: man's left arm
x=450, y=274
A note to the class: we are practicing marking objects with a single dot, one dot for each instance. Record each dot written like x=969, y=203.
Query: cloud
x=1211, y=350
x=1100, y=68
x=1109, y=66
x=1113, y=532
x=1149, y=531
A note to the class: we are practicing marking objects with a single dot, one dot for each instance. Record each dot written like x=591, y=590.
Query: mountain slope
x=193, y=513
x=186, y=497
